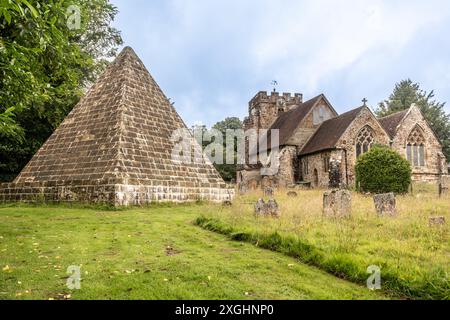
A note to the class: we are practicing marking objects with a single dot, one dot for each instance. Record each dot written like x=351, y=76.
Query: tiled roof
x=391, y=122
x=288, y=122
x=329, y=132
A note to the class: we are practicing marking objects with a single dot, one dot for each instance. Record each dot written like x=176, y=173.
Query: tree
x=228, y=171
x=383, y=170
x=405, y=94
x=45, y=66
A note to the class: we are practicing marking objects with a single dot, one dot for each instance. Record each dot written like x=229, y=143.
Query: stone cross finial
x=365, y=102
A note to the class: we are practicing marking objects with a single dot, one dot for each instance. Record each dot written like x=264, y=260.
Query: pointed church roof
x=289, y=121
x=120, y=131
x=330, y=131
x=390, y=123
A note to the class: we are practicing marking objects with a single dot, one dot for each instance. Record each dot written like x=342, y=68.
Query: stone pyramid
x=115, y=147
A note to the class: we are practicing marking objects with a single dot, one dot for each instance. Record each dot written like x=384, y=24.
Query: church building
x=312, y=135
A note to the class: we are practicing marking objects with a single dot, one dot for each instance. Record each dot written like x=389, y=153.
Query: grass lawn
x=147, y=253
x=414, y=257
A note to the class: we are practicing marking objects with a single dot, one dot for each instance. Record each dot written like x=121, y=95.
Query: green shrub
x=383, y=170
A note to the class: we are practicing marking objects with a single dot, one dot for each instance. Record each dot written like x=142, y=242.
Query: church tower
x=264, y=109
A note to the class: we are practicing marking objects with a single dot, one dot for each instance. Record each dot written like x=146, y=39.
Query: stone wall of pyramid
x=115, y=147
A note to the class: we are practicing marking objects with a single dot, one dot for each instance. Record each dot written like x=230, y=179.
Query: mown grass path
x=148, y=253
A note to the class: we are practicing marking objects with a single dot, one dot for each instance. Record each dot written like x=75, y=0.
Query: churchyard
x=411, y=247
x=152, y=252
x=215, y=251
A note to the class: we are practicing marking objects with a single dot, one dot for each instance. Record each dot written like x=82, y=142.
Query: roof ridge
x=332, y=134
x=395, y=113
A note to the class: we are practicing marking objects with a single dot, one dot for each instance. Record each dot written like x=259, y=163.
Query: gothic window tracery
x=415, y=147
x=364, y=140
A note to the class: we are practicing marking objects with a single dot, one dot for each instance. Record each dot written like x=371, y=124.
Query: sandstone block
x=385, y=204
x=337, y=204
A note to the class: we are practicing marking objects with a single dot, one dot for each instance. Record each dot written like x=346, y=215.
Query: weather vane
x=274, y=83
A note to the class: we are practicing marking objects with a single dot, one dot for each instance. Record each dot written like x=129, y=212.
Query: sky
x=212, y=57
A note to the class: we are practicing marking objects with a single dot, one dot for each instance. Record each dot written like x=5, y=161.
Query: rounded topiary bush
x=383, y=170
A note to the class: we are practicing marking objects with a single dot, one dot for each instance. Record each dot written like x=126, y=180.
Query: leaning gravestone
x=337, y=204
x=436, y=221
x=385, y=204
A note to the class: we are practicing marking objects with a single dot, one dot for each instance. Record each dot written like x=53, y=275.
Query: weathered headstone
x=260, y=207
x=337, y=204
x=335, y=174
x=267, y=209
x=292, y=194
x=272, y=208
x=385, y=204
x=436, y=221
x=268, y=192
x=242, y=189
x=444, y=185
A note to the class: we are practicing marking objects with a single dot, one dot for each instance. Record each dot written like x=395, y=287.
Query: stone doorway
x=316, y=178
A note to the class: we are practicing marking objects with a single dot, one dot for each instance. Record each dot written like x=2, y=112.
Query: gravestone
x=268, y=192
x=267, y=209
x=337, y=204
x=335, y=174
x=272, y=208
x=292, y=194
x=385, y=204
x=436, y=221
x=260, y=207
x=242, y=189
x=444, y=185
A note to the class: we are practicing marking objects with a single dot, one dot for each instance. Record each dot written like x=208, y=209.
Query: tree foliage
x=228, y=171
x=45, y=66
x=383, y=170
x=406, y=93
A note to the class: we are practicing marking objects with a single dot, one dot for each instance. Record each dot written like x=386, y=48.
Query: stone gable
x=347, y=142
x=321, y=112
x=434, y=158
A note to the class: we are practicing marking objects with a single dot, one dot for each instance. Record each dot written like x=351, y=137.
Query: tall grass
x=414, y=257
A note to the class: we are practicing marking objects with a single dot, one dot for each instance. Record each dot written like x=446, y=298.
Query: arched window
x=415, y=147
x=364, y=140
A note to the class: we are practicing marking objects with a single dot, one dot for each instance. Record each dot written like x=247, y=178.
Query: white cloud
x=317, y=38
x=212, y=56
